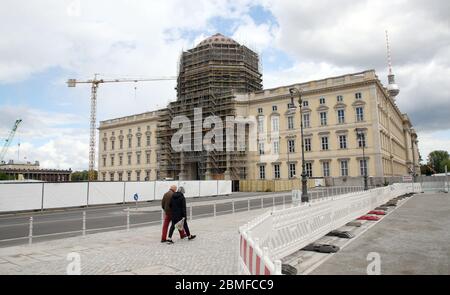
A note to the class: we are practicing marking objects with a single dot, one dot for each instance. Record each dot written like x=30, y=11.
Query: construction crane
x=9, y=139
x=93, y=118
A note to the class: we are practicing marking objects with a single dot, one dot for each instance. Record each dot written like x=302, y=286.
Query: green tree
x=438, y=159
x=4, y=176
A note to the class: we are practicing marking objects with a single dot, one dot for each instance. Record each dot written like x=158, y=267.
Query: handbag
x=180, y=224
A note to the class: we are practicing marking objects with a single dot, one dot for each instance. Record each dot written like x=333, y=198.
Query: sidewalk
x=139, y=251
x=413, y=240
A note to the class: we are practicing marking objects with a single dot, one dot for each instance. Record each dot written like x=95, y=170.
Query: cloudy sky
x=43, y=43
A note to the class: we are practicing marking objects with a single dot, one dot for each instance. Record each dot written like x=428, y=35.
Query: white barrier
x=285, y=231
x=101, y=193
x=60, y=195
x=144, y=190
x=20, y=197
x=37, y=196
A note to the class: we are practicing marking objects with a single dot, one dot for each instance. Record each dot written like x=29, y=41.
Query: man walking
x=165, y=204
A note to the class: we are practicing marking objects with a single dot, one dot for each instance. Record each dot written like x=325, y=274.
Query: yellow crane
x=93, y=118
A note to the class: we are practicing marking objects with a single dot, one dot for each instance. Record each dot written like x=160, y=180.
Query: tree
x=4, y=176
x=438, y=159
x=82, y=175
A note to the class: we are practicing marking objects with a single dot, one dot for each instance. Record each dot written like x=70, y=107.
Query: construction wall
x=272, y=185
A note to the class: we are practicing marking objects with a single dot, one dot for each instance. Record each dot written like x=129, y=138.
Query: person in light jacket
x=178, y=207
x=165, y=204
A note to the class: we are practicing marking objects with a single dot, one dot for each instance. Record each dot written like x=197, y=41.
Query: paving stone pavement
x=138, y=251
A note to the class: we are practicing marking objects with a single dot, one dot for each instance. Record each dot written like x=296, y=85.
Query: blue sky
x=45, y=44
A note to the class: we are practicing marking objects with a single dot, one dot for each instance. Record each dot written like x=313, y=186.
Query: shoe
x=192, y=237
x=163, y=241
x=170, y=242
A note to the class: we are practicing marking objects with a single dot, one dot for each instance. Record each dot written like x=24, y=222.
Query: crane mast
x=93, y=117
x=9, y=139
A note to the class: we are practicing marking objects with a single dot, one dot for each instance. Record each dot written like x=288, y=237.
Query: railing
x=277, y=234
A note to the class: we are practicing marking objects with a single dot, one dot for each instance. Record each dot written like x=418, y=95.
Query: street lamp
x=295, y=91
x=362, y=142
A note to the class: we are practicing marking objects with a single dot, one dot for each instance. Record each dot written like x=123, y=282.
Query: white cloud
x=433, y=141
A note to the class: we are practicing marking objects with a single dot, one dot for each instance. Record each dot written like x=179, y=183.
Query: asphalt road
x=15, y=228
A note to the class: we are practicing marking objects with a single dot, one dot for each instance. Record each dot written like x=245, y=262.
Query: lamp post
x=295, y=91
x=362, y=141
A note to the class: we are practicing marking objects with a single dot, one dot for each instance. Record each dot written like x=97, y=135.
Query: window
x=323, y=118
x=262, y=172
x=359, y=114
x=344, y=168
x=261, y=148
x=121, y=144
x=129, y=143
x=308, y=168
x=148, y=140
x=341, y=116
x=120, y=176
x=138, y=159
x=291, y=146
x=129, y=176
x=129, y=159
x=112, y=145
x=275, y=124
x=112, y=160
x=358, y=95
x=104, y=145
x=305, y=103
x=324, y=143
x=104, y=176
x=260, y=110
x=139, y=141
x=276, y=170
x=111, y=176
x=308, y=144
x=147, y=175
x=120, y=160
x=343, y=141
x=138, y=175
x=363, y=167
x=104, y=162
x=322, y=100
x=326, y=169
x=274, y=108
x=260, y=124
x=306, y=121
x=276, y=147
x=290, y=122
x=292, y=170
x=340, y=98
x=147, y=160
x=361, y=140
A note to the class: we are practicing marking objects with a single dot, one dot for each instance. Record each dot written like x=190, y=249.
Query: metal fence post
x=124, y=190
x=42, y=199
x=232, y=203
x=128, y=218
x=248, y=204
x=215, y=210
x=87, y=195
x=284, y=202
x=262, y=202
x=273, y=201
x=30, y=232
x=84, y=223
x=190, y=212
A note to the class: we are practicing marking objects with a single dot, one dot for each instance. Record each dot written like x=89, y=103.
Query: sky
x=44, y=43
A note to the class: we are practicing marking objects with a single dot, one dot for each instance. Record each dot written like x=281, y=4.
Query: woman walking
x=178, y=206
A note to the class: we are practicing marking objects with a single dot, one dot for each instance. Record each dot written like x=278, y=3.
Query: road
x=15, y=228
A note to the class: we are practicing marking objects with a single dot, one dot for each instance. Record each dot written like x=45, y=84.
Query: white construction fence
x=39, y=196
x=279, y=233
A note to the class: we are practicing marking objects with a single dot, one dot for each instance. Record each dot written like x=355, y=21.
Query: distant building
x=32, y=171
x=223, y=78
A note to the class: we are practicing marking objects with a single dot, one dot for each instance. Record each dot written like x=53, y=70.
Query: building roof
x=218, y=39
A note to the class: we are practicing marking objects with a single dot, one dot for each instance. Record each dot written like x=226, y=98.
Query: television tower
x=392, y=87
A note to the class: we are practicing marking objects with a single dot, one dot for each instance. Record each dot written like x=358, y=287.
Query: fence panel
x=224, y=187
x=162, y=187
x=145, y=191
x=101, y=193
x=208, y=188
x=60, y=195
x=192, y=188
x=20, y=197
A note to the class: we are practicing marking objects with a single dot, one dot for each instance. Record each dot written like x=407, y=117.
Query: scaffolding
x=209, y=76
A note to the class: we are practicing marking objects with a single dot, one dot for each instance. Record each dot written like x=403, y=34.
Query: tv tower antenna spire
x=393, y=88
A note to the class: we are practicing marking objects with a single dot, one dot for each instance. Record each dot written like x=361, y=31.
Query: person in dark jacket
x=178, y=207
x=165, y=204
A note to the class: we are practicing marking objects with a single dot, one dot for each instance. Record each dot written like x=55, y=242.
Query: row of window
x=127, y=176
x=322, y=101
x=341, y=116
x=130, y=143
x=292, y=169
x=128, y=158
x=308, y=146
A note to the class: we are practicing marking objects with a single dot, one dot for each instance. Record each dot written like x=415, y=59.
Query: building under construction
x=209, y=77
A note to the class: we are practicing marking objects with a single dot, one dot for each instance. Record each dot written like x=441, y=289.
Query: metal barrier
x=277, y=234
